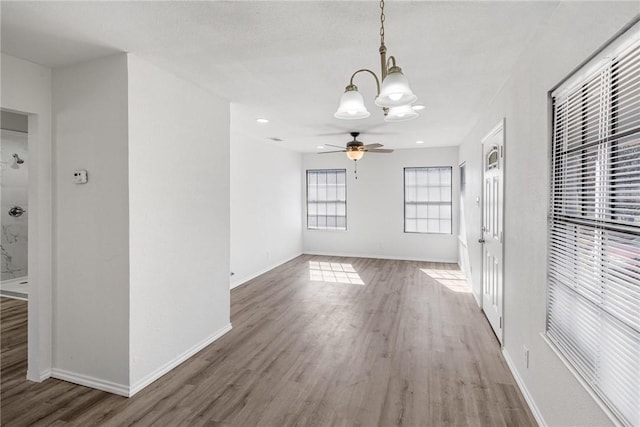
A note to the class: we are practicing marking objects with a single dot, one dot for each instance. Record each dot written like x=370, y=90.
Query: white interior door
x=492, y=220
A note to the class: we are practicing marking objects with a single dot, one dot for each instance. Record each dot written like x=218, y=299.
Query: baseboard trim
x=39, y=377
x=477, y=297
x=400, y=258
x=144, y=382
x=251, y=276
x=88, y=381
x=523, y=388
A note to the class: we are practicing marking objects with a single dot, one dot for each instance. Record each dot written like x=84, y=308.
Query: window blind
x=427, y=200
x=593, y=302
x=327, y=199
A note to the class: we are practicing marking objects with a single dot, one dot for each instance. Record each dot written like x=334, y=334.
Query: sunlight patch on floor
x=454, y=280
x=333, y=272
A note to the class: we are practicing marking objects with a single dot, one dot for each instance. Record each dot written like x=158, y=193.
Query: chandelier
x=394, y=96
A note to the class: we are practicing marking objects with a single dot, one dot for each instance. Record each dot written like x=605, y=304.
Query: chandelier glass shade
x=351, y=105
x=401, y=114
x=394, y=92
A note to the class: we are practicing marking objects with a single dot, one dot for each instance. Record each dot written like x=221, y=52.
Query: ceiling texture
x=289, y=61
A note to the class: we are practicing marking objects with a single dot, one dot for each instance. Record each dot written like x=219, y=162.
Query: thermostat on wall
x=80, y=177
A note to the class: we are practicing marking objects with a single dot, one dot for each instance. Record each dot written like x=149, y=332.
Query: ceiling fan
x=355, y=149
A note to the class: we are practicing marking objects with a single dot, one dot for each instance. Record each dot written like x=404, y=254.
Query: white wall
x=571, y=35
x=266, y=205
x=91, y=295
x=375, y=208
x=26, y=88
x=179, y=219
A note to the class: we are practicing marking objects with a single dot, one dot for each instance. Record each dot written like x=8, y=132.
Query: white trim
x=4, y=295
x=15, y=280
x=238, y=282
x=401, y=258
x=135, y=388
x=478, y=298
x=497, y=128
x=46, y=374
x=88, y=381
x=523, y=388
x=582, y=382
x=129, y=391
x=599, y=60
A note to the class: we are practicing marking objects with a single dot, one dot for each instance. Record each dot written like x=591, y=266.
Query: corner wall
x=375, y=208
x=573, y=33
x=179, y=220
x=265, y=206
x=91, y=294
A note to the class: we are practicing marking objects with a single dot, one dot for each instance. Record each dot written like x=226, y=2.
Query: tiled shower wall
x=14, y=193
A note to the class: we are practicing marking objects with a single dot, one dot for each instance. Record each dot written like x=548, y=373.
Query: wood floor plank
x=318, y=341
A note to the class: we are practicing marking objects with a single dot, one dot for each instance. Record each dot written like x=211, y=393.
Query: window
x=593, y=306
x=327, y=199
x=427, y=200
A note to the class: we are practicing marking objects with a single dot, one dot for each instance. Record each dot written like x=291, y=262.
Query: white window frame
x=593, y=277
x=339, y=200
x=424, y=201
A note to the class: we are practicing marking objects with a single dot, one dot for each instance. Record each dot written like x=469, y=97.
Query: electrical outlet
x=525, y=351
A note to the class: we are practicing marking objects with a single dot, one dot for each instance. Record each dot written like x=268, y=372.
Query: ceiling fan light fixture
x=395, y=90
x=355, y=154
x=401, y=114
x=351, y=105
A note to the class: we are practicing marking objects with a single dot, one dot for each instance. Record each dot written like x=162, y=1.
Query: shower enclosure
x=14, y=209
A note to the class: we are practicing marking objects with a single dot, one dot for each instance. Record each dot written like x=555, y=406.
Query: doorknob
x=481, y=240
x=16, y=211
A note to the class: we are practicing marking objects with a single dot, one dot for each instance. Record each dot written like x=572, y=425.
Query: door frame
x=499, y=127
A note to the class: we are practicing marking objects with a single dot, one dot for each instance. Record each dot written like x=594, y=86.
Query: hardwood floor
x=408, y=346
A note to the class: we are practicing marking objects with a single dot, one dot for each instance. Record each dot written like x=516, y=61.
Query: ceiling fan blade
x=366, y=132
x=331, y=133
x=380, y=150
x=327, y=152
x=370, y=146
x=337, y=146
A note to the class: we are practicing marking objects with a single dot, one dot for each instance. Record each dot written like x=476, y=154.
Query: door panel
x=492, y=233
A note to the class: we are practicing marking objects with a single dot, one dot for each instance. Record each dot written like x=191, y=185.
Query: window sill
x=326, y=229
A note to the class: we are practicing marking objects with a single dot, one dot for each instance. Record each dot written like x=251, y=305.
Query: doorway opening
x=14, y=208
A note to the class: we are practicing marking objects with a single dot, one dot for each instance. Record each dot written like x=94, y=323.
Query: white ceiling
x=290, y=61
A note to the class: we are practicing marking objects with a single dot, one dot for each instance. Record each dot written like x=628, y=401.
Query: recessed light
x=262, y=120
x=418, y=107
x=320, y=147
x=419, y=142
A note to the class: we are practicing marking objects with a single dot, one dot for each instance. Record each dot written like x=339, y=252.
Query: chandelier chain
x=382, y=22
